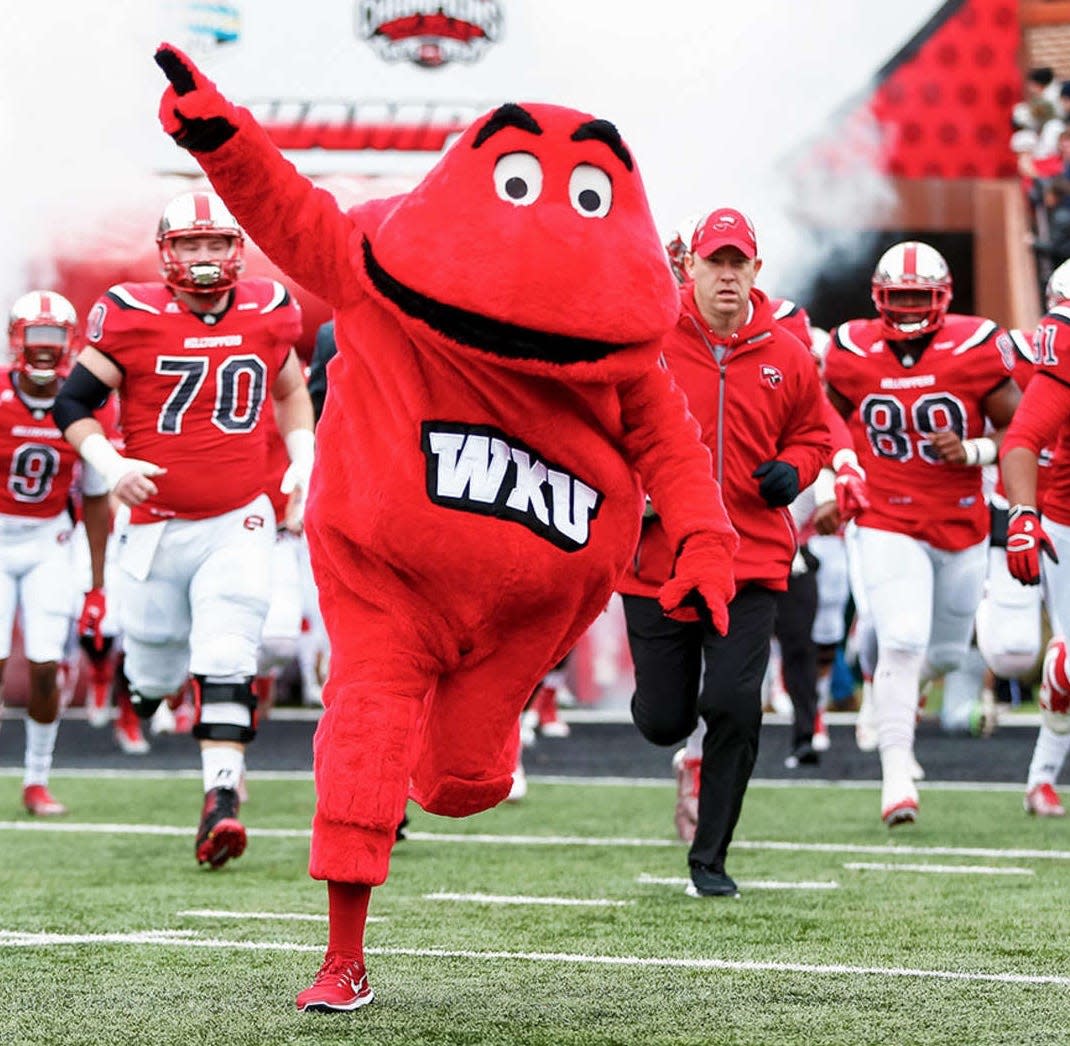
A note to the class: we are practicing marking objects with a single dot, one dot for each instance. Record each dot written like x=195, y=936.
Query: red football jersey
x=895, y=407
x=37, y=460
x=1051, y=351
x=1019, y=346
x=193, y=389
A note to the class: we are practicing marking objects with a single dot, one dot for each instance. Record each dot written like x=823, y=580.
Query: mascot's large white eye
x=518, y=179
x=590, y=191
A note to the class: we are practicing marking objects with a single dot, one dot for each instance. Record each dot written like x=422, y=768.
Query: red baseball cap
x=724, y=227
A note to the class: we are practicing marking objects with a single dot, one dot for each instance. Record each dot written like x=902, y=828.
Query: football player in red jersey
x=1043, y=420
x=35, y=526
x=193, y=359
x=917, y=386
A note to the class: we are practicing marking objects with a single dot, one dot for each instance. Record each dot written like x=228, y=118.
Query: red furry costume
x=495, y=410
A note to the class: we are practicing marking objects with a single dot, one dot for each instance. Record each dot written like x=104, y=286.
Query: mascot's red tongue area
x=531, y=238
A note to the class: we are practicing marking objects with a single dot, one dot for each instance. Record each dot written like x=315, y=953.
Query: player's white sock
x=895, y=697
x=1049, y=754
x=40, y=744
x=222, y=766
x=962, y=688
x=693, y=749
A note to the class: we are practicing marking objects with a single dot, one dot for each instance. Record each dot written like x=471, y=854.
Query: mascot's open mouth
x=482, y=332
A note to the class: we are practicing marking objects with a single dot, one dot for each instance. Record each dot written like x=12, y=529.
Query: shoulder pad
x=966, y=332
x=141, y=296
x=268, y=295
x=851, y=336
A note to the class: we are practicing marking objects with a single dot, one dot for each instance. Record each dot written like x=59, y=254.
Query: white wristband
x=981, y=451
x=825, y=487
x=845, y=456
x=98, y=452
x=301, y=445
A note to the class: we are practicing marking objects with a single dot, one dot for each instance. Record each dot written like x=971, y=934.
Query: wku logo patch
x=771, y=376
x=480, y=469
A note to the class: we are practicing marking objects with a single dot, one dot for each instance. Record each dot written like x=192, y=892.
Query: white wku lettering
x=481, y=470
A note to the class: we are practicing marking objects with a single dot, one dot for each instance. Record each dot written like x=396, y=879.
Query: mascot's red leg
x=469, y=743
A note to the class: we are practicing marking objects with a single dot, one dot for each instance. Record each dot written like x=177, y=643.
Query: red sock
x=348, y=908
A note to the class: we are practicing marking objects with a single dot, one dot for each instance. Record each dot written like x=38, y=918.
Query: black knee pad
x=144, y=706
x=241, y=693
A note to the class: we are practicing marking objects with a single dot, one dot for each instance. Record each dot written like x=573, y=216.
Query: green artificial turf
x=796, y=965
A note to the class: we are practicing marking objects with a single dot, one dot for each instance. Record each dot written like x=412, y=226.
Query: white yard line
x=563, y=902
x=292, y=917
x=938, y=869
x=484, y=838
x=180, y=939
x=752, y=884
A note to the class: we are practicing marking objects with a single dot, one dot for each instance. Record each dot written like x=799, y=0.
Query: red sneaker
x=98, y=696
x=340, y=985
x=128, y=735
x=221, y=835
x=1043, y=801
x=40, y=802
x=688, y=775
x=545, y=706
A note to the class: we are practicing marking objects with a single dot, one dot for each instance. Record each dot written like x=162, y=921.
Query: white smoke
x=77, y=111
x=711, y=97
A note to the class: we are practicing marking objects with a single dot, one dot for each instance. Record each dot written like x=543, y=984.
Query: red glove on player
x=192, y=111
x=92, y=617
x=850, y=490
x=702, y=581
x=1025, y=541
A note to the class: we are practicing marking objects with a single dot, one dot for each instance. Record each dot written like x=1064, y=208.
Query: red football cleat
x=688, y=775
x=341, y=985
x=1043, y=801
x=40, y=802
x=128, y=733
x=221, y=835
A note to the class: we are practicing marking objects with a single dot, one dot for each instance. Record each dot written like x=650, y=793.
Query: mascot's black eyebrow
x=508, y=115
x=604, y=131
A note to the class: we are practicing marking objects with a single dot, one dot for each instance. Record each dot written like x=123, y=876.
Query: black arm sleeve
x=322, y=354
x=81, y=394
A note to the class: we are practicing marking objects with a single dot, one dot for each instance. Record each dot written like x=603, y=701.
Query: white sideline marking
x=180, y=939
x=294, y=917
x=752, y=884
x=564, y=902
x=939, y=869
x=772, y=783
x=484, y=838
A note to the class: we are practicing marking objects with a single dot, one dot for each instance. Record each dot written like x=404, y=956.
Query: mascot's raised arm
x=495, y=413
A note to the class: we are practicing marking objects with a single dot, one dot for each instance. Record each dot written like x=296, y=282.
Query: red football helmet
x=911, y=290
x=199, y=214
x=40, y=332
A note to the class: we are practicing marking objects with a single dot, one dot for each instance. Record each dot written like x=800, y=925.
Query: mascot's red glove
x=192, y=110
x=701, y=580
x=1025, y=541
x=92, y=617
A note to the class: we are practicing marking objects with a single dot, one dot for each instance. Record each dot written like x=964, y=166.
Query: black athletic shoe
x=803, y=755
x=221, y=835
x=706, y=882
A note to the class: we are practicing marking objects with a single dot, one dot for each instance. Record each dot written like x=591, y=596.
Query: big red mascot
x=494, y=414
